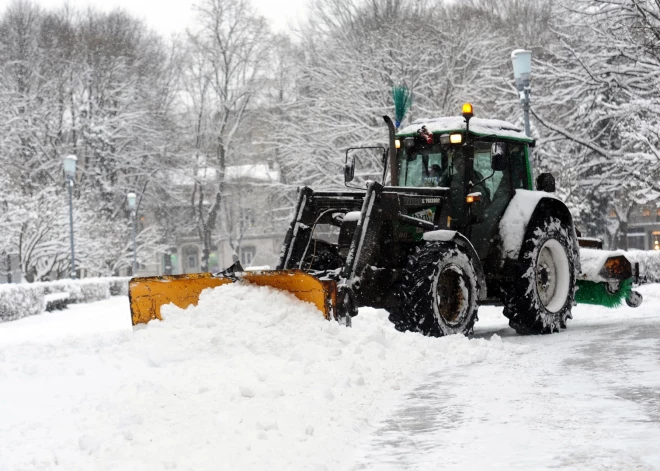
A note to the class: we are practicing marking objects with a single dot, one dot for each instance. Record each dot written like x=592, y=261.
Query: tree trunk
x=621, y=237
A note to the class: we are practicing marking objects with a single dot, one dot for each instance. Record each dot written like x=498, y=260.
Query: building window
x=646, y=212
x=247, y=217
x=190, y=259
x=214, y=262
x=247, y=255
x=612, y=213
x=637, y=240
x=656, y=240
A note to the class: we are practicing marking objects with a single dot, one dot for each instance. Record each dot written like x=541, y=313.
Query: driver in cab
x=452, y=177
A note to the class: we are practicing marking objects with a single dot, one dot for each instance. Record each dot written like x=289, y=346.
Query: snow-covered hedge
x=649, y=264
x=27, y=299
x=118, y=286
x=82, y=291
x=18, y=301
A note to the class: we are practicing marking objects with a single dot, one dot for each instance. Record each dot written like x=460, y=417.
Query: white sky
x=172, y=16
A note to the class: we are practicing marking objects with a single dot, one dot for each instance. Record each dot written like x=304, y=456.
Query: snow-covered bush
x=80, y=291
x=18, y=301
x=27, y=299
x=649, y=264
x=118, y=286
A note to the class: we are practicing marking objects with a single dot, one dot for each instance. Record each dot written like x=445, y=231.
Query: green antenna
x=402, y=100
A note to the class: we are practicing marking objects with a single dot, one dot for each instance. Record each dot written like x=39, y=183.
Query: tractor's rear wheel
x=439, y=291
x=540, y=300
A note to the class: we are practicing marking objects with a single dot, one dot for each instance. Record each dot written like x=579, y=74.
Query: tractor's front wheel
x=439, y=291
x=540, y=300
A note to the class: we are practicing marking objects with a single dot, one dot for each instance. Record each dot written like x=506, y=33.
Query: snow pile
x=251, y=378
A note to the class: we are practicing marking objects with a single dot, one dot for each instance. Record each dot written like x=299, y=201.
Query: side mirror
x=498, y=156
x=349, y=170
x=545, y=182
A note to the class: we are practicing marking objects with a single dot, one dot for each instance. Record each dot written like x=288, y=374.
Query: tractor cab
x=481, y=162
x=431, y=152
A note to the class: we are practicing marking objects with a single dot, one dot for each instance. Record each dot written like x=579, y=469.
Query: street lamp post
x=131, y=205
x=522, y=71
x=70, y=173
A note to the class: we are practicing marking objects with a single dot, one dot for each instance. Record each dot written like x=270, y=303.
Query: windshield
x=430, y=166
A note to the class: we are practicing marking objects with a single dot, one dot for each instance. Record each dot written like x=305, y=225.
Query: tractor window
x=483, y=169
x=422, y=167
x=410, y=173
x=498, y=185
x=518, y=166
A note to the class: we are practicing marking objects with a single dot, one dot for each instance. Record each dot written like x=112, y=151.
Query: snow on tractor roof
x=479, y=126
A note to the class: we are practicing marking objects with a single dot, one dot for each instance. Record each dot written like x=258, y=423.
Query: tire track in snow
x=588, y=398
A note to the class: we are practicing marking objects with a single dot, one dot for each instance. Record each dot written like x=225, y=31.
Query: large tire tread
x=522, y=304
x=418, y=295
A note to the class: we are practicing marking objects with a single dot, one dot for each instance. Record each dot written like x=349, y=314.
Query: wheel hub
x=452, y=297
x=552, y=275
x=546, y=276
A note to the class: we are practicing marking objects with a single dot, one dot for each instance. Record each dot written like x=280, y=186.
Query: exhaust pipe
x=394, y=169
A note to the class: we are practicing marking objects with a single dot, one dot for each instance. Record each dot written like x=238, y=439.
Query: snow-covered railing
x=29, y=299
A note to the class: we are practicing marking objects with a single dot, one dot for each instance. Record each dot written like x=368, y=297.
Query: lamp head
x=131, y=197
x=522, y=67
x=70, y=166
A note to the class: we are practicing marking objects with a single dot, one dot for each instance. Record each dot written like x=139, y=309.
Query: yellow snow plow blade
x=148, y=294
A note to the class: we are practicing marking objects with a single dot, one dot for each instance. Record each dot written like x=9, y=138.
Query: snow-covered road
x=588, y=398
x=252, y=379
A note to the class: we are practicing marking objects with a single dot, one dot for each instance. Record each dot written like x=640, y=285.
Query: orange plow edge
x=148, y=294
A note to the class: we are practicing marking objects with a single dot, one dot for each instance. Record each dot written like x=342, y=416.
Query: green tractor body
x=459, y=225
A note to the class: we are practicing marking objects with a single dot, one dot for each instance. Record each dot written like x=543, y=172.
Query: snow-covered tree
x=353, y=53
x=88, y=83
x=601, y=82
x=222, y=77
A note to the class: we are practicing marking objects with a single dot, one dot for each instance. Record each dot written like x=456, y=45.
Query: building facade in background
x=644, y=228
x=250, y=226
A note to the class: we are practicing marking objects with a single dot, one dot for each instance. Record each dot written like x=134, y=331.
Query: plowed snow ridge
x=251, y=378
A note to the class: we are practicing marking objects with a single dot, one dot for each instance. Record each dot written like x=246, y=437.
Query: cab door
x=499, y=191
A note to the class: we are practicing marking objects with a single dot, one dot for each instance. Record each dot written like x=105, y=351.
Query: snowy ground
x=251, y=379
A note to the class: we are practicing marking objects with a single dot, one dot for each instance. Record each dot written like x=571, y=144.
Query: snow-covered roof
x=258, y=172
x=479, y=126
x=261, y=172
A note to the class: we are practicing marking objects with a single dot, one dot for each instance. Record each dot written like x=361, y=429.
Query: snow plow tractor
x=459, y=225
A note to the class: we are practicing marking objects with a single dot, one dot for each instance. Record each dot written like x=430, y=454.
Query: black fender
x=455, y=237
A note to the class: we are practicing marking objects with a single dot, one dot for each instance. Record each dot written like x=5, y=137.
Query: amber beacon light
x=467, y=111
